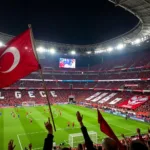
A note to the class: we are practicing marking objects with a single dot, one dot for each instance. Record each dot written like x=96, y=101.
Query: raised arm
x=88, y=142
x=48, y=144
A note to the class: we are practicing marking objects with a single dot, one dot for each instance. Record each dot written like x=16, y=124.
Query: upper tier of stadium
x=139, y=35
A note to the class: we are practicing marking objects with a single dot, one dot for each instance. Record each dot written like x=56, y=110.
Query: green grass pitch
x=23, y=133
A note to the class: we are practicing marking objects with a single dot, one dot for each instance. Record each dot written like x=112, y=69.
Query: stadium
x=114, y=77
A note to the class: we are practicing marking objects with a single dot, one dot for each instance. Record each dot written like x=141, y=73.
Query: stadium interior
x=113, y=76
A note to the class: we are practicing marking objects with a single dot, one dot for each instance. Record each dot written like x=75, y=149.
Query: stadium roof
x=141, y=9
x=140, y=33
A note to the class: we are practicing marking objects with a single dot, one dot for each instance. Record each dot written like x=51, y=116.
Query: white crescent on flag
x=15, y=52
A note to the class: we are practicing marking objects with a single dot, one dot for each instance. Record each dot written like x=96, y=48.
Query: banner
x=42, y=93
x=99, y=97
x=53, y=93
x=18, y=94
x=116, y=100
x=91, y=97
x=30, y=94
x=134, y=102
x=107, y=98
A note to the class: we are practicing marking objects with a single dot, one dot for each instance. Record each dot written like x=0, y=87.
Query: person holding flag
x=105, y=128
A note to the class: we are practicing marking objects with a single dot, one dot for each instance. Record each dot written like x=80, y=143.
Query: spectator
x=99, y=148
x=148, y=144
x=109, y=144
x=80, y=147
x=88, y=142
x=137, y=145
x=139, y=135
x=48, y=144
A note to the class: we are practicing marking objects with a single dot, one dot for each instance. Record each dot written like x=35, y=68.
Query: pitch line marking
x=121, y=127
x=19, y=142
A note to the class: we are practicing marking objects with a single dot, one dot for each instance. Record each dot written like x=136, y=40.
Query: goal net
x=76, y=138
x=28, y=103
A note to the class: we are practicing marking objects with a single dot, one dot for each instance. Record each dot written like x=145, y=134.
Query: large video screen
x=67, y=63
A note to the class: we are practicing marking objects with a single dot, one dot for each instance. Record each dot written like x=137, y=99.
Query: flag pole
x=41, y=74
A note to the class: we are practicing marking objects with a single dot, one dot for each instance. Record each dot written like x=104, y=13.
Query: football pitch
x=23, y=132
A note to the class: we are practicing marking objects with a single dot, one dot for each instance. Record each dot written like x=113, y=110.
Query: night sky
x=74, y=22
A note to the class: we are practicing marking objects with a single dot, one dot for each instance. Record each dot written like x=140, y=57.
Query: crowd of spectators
x=139, y=142
x=127, y=113
x=145, y=107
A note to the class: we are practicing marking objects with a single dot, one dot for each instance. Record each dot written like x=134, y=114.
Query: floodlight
x=1, y=44
x=40, y=49
x=145, y=37
x=120, y=46
x=88, y=52
x=109, y=49
x=99, y=50
x=73, y=52
x=137, y=41
x=52, y=51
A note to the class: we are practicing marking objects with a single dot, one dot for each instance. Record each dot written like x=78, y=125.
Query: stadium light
x=137, y=41
x=40, y=49
x=120, y=46
x=88, y=52
x=52, y=51
x=1, y=44
x=109, y=49
x=98, y=51
x=73, y=52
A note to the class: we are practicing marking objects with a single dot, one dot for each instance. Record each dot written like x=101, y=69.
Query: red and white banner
x=134, y=102
x=116, y=100
x=99, y=97
x=107, y=98
x=30, y=94
x=92, y=96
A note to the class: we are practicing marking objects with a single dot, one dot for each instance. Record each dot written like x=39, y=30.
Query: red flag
x=17, y=59
x=105, y=128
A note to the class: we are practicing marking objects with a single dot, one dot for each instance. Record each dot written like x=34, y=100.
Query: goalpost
x=76, y=138
x=28, y=103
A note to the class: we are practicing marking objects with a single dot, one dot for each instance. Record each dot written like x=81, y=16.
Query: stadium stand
x=106, y=85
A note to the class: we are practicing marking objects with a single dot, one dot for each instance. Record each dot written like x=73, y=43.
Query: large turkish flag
x=17, y=59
